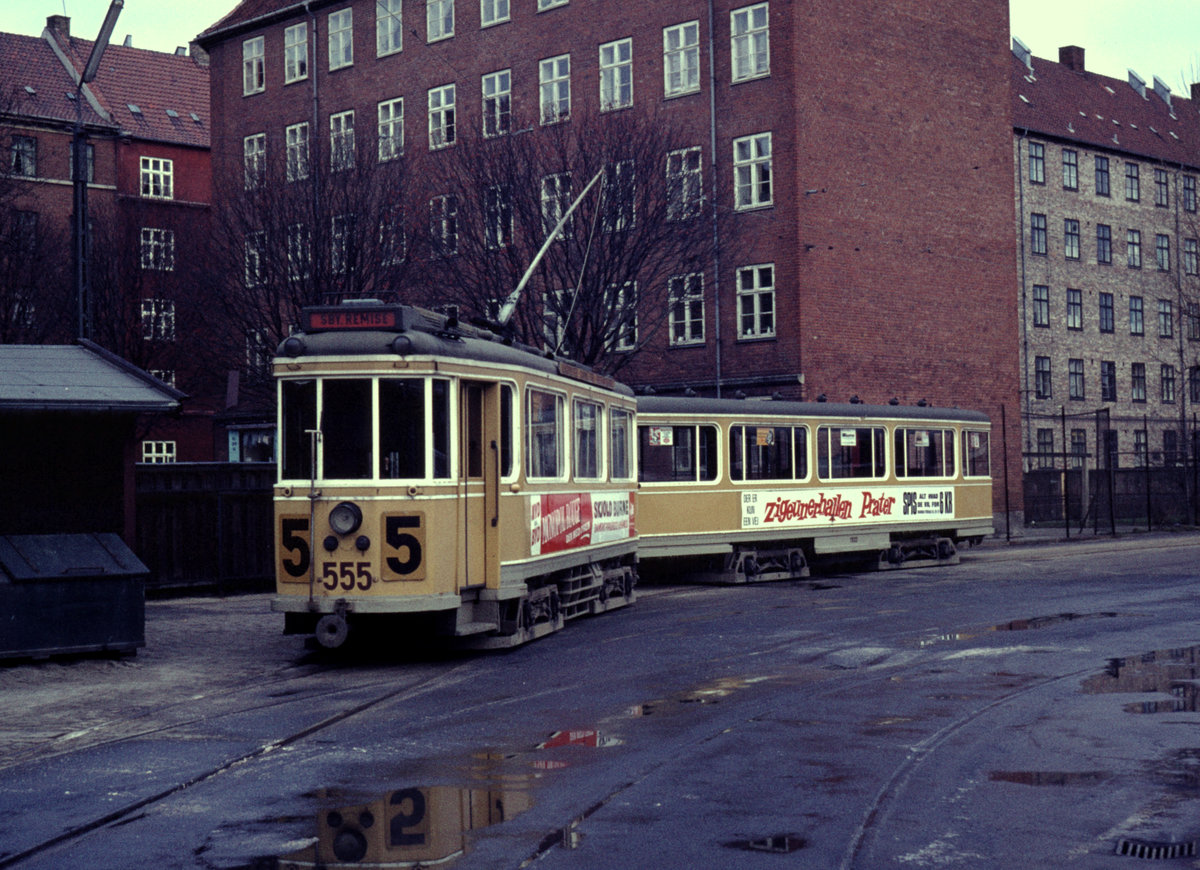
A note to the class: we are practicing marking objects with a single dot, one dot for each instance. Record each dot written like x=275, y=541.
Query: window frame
x=681, y=59
x=390, y=129
x=295, y=53
x=157, y=249
x=343, y=153
x=753, y=296
x=749, y=43
x=442, y=116
x=685, y=295
x=389, y=27
x=296, y=145
x=157, y=173
x=554, y=89
x=254, y=65
x=752, y=172
x=497, y=103
x=439, y=20
x=341, y=38
x=616, y=74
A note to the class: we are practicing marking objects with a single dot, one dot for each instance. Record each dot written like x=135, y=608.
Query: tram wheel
x=332, y=630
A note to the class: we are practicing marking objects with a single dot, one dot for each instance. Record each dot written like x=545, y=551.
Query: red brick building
x=857, y=154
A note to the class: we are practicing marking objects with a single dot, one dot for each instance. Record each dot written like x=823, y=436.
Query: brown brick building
x=856, y=157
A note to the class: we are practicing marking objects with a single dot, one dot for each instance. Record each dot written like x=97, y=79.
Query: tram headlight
x=345, y=518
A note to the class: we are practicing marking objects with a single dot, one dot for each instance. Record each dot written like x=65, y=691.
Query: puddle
x=1035, y=623
x=583, y=737
x=1050, y=777
x=780, y=844
x=1174, y=672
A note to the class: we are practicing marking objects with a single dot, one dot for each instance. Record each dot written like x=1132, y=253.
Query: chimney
x=1163, y=90
x=1137, y=83
x=1022, y=53
x=1071, y=56
x=1196, y=92
x=59, y=26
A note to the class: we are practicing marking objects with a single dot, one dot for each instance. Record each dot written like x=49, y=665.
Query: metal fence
x=205, y=525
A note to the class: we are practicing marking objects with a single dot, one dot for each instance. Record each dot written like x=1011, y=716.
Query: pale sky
x=1153, y=37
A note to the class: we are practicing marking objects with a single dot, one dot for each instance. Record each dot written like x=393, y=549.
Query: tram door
x=480, y=415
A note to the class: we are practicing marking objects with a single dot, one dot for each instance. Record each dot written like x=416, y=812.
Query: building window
x=158, y=320
x=1162, y=252
x=254, y=157
x=685, y=183
x=1070, y=162
x=1071, y=238
x=1133, y=185
x=686, y=293
x=1166, y=317
x=1108, y=381
x=389, y=29
x=158, y=451
x=341, y=38
x=341, y=141
x=1191, y=262
x=1194, y=384
x=443, y=223
x=24, y=156
x=498, y=214
x=750, y=42
x=1075, y=379
x=1045, y=448
x=1167, y=381
x=622, y=301
x=254, y=77
x=1074, y=309
x=1041, y=305
x=1136, y=326
x=391, y=129
x=158, y=178
x=1103, y=244
x=1078, y=447
x=89, y=163
x=556, y=199
x=1189, y=193
x=296, y=142
x=1037, y=233
x=1137, y=382
x=497, y=102
x=439, y=19
x=441, y=117
x=342, y=251
x=1193, y=321
x=255, y=248
x=1170, y=447
x=1102, y=188
x=492, y=12
x=1037, y=163
x=681, y=59
x=299, y=251
x=1141, y=448
x=295, y=53
x=618, y=210
x=1042, y=385
x=167, y=376
x=1107, y=317
x=1133, y=248
x=1161, y=195
x=554, y=84
x=158, y=249
x=616, y=75
x=756, y=301
x=752, y=171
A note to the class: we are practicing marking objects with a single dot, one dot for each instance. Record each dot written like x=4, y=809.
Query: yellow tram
x=429, y=471
x=739, y=490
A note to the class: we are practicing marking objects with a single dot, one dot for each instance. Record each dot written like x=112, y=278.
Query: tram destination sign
x=334, y=318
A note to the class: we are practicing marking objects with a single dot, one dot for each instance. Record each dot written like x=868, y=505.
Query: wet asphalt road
x=1031, y=707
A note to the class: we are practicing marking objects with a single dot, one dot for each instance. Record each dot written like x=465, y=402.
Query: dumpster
x=70, y=593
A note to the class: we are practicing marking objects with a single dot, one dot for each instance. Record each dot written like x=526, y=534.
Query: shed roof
x=80, y=378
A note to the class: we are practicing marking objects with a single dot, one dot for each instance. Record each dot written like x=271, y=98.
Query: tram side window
x=924, y=453
x=671, y=453
x=618, y=453
x=587, y=440
x=846, y=452
x=545, y=434
x=298, y=400
x=767, y=453
x=441, y=429
x=977, y=453
x=346, y=435
x=506, y=430
x=402, y=428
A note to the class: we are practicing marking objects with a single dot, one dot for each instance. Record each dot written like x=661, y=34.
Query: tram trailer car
x=435, y=477
x=735, y=491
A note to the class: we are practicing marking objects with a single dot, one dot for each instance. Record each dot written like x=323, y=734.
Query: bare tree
x=603, y=289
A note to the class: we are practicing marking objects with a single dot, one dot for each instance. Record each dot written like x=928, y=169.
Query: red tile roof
x=1057, y=101
x=37, y=84
x=249, y=11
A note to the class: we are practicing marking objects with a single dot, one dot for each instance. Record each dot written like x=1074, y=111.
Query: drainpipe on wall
x=1025, y=393
x=712, y=148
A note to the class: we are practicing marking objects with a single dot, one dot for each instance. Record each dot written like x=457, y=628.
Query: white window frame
x=341, y=233
x=753, y=185
x=554, y=88
x=158, y=319
x=158, y=451
x=493, y=12
x=157, y=178
x=685, y=183
x=389, y=27
x=442, y=131
x=341, y=38
x=681, y=59
x=296, y=140
x=443, y=223
x=616, y=74
x=439, y=20
x=254, y=61
x=391, y=129
x=295, y=53
x=750, y=42
x=254, y=158
x=686, y=301
x=342, y=153
x=619, y=209
x=498, y=217
x=556, y=199
x=158, y=249
x=299, y=251
x=622, y=300
x=497, y=103
x=255, y=245
x=756, y=285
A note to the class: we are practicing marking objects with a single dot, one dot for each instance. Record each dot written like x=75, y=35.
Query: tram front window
x=402, y=428
x=346, y=429
x=298, y=401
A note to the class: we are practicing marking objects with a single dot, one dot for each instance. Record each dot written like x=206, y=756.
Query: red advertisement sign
x=568, y=520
